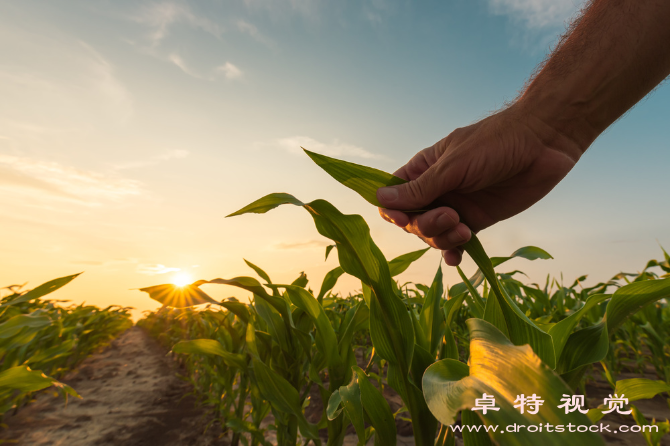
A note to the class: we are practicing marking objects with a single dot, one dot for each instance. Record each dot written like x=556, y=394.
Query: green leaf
x=42, y=290
x=377, y=409
x=630, y=298
x=328, y=249
x=17, y=323
x=527, y=252
x=584, y=347
x=326, y=338
x=262, y=205
x=362, y=179
x=351, y=402
x=431, y=318
x=283, y=396
x=253, y=285
x=334, y=408
x=25, y=380
x=329, y=281
x=366, y=181
x=591, y=344
x=178, y=296
x=562, y=330
x=210, y=347
x=391, y=328
x=507, y=316
x=262, y=274
x=401, y=263
x=640, y=388
x=449, y=386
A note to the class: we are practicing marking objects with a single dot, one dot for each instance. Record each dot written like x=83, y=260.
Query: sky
x=130, y=129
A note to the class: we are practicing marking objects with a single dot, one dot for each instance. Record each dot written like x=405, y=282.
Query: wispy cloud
x=230, y=71
x=154, y=269
x=336, y=148
x=160, y=17
x=310, y=244
x=227, y=70
x=38, y=177
x=252, y=30
x=308, y=9
x=536, y=14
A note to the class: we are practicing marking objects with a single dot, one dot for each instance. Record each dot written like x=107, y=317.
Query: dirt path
x=131, y=397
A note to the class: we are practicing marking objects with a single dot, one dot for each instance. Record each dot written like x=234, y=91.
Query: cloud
x=336, y=148
x=230, y=71
x=38, y=177
x=160, y=17
x=537, y=14
x=75, y=86
x=154, y=269
x=308, y=9
x=310, y=244
x=252, y=30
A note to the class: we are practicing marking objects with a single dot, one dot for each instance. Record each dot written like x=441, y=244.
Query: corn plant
x=504, y=329
x=40, y=340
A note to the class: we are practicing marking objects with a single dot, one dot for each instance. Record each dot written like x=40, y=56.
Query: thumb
x=415, y=194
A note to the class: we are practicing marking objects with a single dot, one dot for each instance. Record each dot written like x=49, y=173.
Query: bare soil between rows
x=132, y=396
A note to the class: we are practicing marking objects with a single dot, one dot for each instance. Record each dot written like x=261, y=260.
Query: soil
x=132, y=396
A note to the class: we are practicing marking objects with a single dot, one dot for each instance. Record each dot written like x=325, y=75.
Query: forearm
x=617, y=52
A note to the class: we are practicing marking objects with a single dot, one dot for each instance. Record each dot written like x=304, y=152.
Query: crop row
x=445, y=354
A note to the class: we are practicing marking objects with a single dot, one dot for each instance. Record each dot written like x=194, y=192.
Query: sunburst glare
x=182, y=279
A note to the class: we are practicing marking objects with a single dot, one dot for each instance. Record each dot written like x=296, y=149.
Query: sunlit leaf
x=42, y=290
x=450, y=386
x=640, y=388
x=178, y=296
x=25, y=380
x=362, y=179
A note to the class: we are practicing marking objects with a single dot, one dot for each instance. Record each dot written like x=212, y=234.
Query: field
x=393, y=364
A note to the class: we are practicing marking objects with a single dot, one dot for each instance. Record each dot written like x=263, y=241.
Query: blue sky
x=128, y=130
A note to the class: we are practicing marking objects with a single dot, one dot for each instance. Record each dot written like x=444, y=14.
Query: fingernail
x=388, y=194
x=445, y=221
x=456, y=237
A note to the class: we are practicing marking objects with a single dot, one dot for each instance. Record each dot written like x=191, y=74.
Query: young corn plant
x=552, y=356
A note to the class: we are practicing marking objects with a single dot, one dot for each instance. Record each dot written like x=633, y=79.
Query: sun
x=182, y=279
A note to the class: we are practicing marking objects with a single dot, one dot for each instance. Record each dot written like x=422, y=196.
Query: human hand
x=478, y=176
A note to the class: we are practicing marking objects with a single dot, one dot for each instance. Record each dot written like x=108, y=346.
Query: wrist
x=565, y=113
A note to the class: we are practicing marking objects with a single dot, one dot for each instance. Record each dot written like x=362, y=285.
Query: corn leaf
x=178, y=296
x=401, y=263
x=32, y=322
x=350, y=396
x=377, y=409
x=640, y=388
x=431, y=318
x=329, y=281
x=25, y=380
x=450, y=386
x=630, y=298
x=283, y=396
x=562, y=330
x=42, y=290
x=210, y=347
x=504, y=313
x=362, y=179
x=262, y=274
